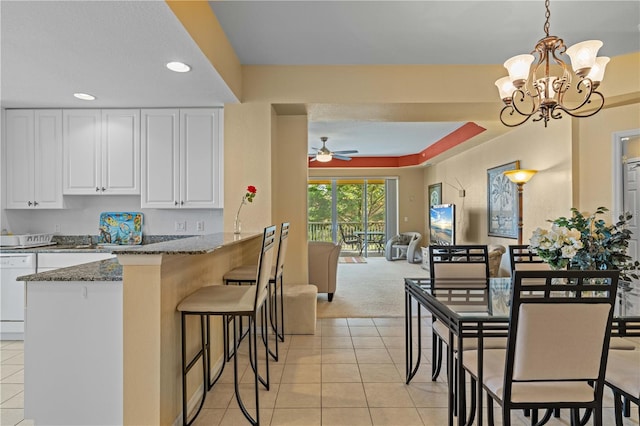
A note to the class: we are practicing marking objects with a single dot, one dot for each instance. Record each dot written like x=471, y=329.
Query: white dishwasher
x=12, y=293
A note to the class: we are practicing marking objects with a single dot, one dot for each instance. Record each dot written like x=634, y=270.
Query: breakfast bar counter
x=152, y=279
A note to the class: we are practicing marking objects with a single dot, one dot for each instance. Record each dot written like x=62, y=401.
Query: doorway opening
x=358, y=213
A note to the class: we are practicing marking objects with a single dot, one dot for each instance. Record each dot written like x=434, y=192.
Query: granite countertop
x=84, y=244
x=104, y=270
x=194, y=245
x=111, y=270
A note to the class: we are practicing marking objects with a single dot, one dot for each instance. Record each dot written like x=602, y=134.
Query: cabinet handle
x=97, y=189
x=35, y=203
x=182, y=203
x=103, y=189
x=29, y=203
x=175, y=203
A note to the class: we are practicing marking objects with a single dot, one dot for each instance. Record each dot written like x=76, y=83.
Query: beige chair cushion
x=459, y=270
x=245, y=273
x=538, y=392
x=577, y=348
x=220, y=299
x=623, y=371
x=622, y=344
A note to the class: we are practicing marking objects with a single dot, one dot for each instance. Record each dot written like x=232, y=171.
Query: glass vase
x=237, y=226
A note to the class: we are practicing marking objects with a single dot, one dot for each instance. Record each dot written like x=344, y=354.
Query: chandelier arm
x=573, y=111
x=509, y=110
x=522, y=96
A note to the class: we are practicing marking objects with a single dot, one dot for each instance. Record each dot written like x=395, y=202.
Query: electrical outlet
x=181, y=226
x=200, y=225
x=406, y=219
x=58, y=228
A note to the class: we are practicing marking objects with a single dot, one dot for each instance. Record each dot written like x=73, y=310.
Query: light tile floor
x=351, y=372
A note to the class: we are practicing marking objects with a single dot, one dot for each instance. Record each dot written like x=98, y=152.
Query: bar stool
x=233, y=302
x=246, y=274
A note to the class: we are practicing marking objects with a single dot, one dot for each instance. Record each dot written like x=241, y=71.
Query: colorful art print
x=502, y=202
x=120, y=228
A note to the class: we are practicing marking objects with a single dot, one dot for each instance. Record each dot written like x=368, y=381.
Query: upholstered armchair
x=405, y=245
x=323, y=266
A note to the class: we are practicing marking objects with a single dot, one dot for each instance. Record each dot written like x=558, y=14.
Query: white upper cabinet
x=101, y=152
x=34, y=159
x=182, y=158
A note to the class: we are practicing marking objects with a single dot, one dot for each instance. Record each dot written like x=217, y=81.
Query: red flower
x=251, y=193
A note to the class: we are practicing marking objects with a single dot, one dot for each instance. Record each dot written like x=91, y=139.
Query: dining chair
x=230, y=301
x=557, y=346
x=460, y=262
x=350, y=239
x=623, y=378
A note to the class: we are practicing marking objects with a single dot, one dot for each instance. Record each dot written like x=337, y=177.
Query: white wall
x=82, y=213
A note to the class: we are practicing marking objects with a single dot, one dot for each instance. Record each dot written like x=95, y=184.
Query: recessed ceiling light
x=178, y=67
x=84, y=96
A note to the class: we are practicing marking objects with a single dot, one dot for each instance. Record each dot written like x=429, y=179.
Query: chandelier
x=543, y=90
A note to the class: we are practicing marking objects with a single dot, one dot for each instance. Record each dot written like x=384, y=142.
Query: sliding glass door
x=349, y=211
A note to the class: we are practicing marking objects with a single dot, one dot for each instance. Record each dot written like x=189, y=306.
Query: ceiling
x=117, y=50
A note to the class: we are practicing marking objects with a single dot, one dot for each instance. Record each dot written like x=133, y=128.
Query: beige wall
x=566, y=152
x=547, y=195
x=290, y=192
x=595, y=184
x=247, y=152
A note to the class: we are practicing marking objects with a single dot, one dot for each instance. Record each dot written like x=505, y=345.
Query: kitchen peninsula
x=153, y=279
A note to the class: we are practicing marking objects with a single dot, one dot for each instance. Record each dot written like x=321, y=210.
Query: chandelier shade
x=539, y=85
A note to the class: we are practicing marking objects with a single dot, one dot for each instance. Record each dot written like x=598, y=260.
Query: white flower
x=568, y=252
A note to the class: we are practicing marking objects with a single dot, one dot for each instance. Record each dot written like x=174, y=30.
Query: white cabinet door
x=200, y=158
x=120, y=152
x=182, y=158
x=34, y=159
x=48, y=160
x=160, y=158
x=101, y=152
x=81, y=142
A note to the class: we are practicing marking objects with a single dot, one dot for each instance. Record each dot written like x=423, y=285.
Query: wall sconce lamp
x=520, y=177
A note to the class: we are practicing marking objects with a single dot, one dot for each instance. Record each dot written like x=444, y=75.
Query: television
x=442, y=224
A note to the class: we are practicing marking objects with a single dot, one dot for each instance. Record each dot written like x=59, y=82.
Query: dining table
x=479, y=308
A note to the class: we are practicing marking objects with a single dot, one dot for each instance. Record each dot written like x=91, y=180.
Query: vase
x=237, y=226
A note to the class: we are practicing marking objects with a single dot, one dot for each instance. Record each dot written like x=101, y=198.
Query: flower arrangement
x=249, y=195
x=585, y=242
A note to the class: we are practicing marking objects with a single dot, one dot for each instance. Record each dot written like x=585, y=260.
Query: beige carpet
x=372, y=289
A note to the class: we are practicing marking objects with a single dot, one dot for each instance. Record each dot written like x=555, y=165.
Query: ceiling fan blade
x=341, y=157
x=312, y=159
x=350, y=151
x=315, y=149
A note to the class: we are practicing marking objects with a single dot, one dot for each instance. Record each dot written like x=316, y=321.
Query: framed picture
x=435, y=194
x=502, y=202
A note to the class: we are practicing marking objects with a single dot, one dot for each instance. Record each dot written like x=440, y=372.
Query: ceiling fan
x=324, y=154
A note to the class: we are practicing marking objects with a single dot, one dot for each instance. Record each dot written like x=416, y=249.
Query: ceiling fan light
x=583, y=56
x=519, y=67
x=323, y=158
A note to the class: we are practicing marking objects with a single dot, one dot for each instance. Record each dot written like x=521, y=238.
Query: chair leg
x=626, y=407
x=281, y=335
x=490, y=419
x=330, y=297
x=436, y=361
x=236, y=380
x=186, y=367
x=506, y=415
x=273, y=319
x=618, y=409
